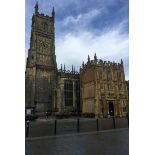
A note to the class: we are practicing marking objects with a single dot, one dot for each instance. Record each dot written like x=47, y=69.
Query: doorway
x=111, y=108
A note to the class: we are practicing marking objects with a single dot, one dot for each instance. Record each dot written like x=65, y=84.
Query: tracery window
x=115, y=75
x=45, y=27
x=109, y=75
x=68, y=90
x=110, y=86
x=124, y=108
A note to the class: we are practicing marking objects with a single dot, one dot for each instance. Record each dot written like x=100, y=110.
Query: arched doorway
x=111, y=108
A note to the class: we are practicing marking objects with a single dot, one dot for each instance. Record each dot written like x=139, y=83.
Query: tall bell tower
x=41, y=67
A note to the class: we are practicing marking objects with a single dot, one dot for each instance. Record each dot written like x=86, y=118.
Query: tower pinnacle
x=83, y=64
x=53, y=13
x=88, y=58
x=121, y=61
x=36, y=8
x=95, y=57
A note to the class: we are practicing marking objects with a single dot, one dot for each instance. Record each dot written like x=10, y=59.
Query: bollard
x=97, y=124
x=78, y=128
x=55, y=127
x=27, y=128
x=128, y=120
x=114, y=122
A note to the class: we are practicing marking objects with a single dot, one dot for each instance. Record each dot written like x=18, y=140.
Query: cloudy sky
x=85, y=27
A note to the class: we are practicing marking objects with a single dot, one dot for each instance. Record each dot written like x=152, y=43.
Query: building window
x=68, y=90
x=119, y=76
x=105, y=86
x=115, y=76
x=100, y=75
x=121, y=86
x=124, y=106
x=124, y=109
x=109, y=75
x=122, y=76
x=45, y=26
x=77, y=95
x=101, y=86
x=116, y=86
x=110, y=87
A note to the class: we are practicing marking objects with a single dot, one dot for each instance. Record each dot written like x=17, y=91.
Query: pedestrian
x=27, y=128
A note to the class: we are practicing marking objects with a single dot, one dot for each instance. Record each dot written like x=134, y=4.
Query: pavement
x=107, y=142
x=43, y=127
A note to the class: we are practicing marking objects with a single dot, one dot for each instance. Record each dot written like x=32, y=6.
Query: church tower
x=41, y=67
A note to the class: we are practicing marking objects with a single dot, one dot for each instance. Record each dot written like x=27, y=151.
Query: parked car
x=30, y=114
x=31, y=117
x=89, y=115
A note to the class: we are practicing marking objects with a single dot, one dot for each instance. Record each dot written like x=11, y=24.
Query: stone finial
x=61, y=67
x=36, y=8
x=95, y=57
x=121, y=61
x=83, y=64
x=53, y=13
x=88, y=58
x=64, y=68
x=72, y=68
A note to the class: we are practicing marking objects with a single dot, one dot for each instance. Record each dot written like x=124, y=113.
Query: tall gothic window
x=115, y=75
x=119, y=76
x=109, y=75
x=77, y=93
x=100, y=75
x=45, y=26
x=121, y=86
x=110, y=86
x=124, y=107
x=68, y=90
x=122, y=76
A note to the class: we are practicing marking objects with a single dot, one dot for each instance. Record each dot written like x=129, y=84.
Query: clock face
x=45, y=45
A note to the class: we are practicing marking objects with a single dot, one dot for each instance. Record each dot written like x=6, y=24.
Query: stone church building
x=104, y=91
x=48, y=89
x=98, y=88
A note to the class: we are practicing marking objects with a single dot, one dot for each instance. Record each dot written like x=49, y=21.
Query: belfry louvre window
x=68, y=90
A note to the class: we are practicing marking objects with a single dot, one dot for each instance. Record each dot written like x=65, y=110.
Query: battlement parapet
x=99, y=62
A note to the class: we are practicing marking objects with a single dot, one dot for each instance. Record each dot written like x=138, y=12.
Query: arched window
x=45, y=27
x=115, y=75
x=124, y=108
x=119, y=75
x=109, y=75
